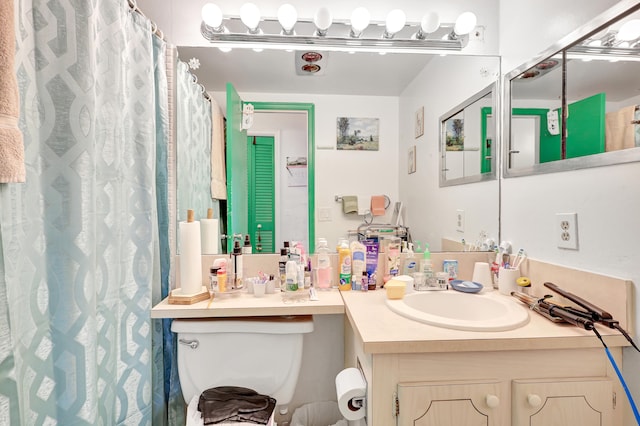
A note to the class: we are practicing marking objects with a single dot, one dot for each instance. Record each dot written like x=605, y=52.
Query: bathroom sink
x=462, y=311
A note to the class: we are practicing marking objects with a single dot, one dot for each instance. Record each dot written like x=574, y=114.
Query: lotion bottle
x=344, y=266
x=324, y=269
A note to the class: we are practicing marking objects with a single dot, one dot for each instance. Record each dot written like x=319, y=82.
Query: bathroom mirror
x=467, y=139
x=388, y=77
x=576, y=105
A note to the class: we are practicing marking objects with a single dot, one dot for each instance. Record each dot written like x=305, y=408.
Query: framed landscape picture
x=361, y=134
x=419, y=125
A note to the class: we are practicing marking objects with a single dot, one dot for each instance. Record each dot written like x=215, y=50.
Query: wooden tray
x=176, y=298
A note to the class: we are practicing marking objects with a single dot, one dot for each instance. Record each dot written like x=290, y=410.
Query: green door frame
x=311, y=144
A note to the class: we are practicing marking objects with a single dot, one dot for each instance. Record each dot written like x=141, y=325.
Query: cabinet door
x=561, y=402
x=449, y=404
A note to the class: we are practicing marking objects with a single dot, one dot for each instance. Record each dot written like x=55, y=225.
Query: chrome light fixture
x=321, y=32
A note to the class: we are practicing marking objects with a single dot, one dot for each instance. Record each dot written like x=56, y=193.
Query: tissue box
x=395, y=289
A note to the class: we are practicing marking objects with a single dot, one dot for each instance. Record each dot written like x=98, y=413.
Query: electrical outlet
x=567, y=230
x=460, y=220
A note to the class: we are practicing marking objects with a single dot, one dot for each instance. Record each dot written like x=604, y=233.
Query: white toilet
x=259, y=353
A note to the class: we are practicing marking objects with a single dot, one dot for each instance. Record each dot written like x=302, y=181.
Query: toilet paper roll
x=349, y=385
x=190, y=258
x=209, y=235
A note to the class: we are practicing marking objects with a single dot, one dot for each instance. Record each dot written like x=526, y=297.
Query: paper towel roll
x=349, y=385
x=190, y=258
x=209, y=236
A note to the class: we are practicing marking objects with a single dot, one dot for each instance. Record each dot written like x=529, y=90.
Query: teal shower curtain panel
x=82, y=242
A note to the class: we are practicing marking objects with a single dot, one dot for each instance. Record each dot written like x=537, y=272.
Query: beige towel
x=619, y=130
x=12, y=168
x=218, y=171
x=349, y=204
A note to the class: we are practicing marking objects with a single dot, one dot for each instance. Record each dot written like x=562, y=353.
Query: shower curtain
x=80, y=241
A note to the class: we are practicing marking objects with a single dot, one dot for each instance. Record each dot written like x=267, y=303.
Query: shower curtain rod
x=160, y=34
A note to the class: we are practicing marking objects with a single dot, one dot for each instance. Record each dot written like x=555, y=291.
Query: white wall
x=607, y=199
x=431, y=210
x=361, y=173
x=291, y=202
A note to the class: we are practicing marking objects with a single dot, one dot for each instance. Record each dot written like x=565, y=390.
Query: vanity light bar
x=233, y=34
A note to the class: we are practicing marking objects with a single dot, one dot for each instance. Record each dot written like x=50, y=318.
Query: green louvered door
x=261, y=194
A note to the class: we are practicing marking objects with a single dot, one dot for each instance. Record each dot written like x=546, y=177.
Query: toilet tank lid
x=269, y=325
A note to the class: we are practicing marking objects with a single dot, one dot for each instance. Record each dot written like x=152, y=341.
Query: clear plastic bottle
x=323, y=270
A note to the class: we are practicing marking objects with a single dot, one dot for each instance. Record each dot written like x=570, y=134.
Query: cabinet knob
x=492, y=401
x=534, y=400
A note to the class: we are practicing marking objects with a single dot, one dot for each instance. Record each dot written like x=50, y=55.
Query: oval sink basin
x=462, y=311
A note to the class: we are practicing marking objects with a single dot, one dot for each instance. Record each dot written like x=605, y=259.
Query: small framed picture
x=419, y=130
x=412, y=159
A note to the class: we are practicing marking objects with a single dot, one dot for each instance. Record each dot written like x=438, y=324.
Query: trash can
x=325, y=413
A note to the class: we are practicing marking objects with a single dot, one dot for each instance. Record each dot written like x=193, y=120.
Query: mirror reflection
x=386, y=83
x=467, y=137
x=578, y=107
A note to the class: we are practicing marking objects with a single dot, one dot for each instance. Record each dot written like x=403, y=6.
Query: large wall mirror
x=576, y=105
x=467, y=140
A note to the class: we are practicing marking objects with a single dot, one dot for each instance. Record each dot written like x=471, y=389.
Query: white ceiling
x=274, y=71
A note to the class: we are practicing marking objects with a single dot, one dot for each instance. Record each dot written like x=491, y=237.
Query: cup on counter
x=482, y=275
x=259, y=288
x=507, y=280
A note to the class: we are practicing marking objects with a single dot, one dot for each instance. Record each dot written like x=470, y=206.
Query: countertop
x=245, y=304
x=383, y=331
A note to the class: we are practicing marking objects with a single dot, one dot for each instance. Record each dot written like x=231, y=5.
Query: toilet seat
x=195, y=419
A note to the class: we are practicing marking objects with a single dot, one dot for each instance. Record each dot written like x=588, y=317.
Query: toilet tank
x=260, y=353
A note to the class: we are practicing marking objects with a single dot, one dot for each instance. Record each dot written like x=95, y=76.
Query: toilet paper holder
x=357, y=403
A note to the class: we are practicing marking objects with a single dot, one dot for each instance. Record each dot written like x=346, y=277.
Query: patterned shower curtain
x=79, y=242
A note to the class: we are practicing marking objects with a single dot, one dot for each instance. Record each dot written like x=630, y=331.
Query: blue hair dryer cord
x=619, y=374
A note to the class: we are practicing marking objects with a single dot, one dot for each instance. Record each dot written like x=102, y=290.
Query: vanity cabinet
x=529, y=386
x=549, y=402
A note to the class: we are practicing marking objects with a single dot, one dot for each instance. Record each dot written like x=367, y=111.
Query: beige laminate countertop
x=383, y=331
x=245, y=304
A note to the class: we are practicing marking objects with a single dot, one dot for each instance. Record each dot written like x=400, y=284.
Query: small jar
x=213, y=278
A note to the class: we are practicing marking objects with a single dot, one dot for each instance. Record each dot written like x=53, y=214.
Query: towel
x=349, y=204
x=12, y=168
x=218, y=171
x=619, y=130
x=235, y=404
x=378, y=205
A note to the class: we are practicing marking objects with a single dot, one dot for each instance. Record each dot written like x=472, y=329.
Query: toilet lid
x=194, y=418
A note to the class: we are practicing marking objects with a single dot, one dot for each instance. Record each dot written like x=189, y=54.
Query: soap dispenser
x=426, y=267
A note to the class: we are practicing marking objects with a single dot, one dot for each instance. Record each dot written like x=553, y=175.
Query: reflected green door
x=261, y=193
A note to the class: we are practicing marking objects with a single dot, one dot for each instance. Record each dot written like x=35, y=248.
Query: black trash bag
x=235, y=404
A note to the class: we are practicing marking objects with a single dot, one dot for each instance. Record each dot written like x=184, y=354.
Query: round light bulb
x=250, y=15
x=224, y=49
x=212, y=15
x=395, y=21
x=630, y=30
x=287, y=16
x=360, y=19
x=323, y=19
x=465, y=23
x=430, y=23
x=624, y=45
x=595, y=43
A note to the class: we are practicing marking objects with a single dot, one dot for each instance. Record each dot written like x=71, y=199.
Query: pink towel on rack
x=12, y=168
x=378, y=205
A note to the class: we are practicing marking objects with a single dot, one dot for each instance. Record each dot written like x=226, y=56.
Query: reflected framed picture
x=412, y=159
x=419, y=125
